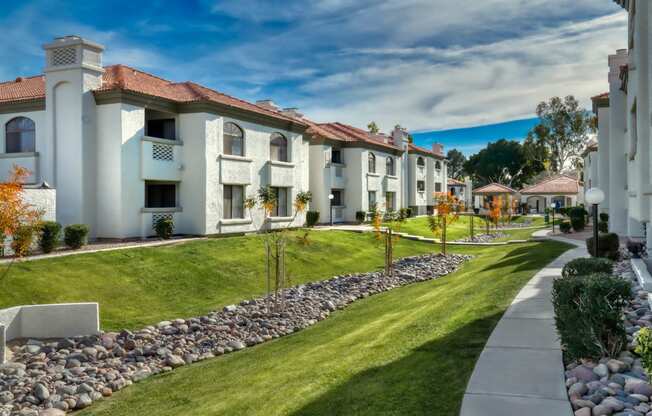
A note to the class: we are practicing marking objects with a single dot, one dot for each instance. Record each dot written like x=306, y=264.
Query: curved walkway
x=520, y=371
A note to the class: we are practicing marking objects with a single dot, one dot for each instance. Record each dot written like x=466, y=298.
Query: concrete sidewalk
x=520, y=371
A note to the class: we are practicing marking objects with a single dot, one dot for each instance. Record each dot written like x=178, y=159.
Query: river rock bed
x=54, y=377
x=483, y=238
x=618, y=386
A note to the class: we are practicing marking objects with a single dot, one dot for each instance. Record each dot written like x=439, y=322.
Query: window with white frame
x=233, y=139
x=281, y=207
x=233, y=201
x=372, y=163
x=20, y=135
x=437, y=186
x=420, y=162
x=421, y=186
x=390, y=166
x=278, y=148
x=438, y=165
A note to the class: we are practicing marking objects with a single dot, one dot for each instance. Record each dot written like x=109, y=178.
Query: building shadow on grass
x=431, y=380
x=522, y=258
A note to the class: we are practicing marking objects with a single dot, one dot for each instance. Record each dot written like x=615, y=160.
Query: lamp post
x=330, y=199
x=552, y=207
x=594, y=196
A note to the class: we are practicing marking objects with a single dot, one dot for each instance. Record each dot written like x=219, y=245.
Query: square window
x=338, y=200
x=160, y=195
x=437, y=186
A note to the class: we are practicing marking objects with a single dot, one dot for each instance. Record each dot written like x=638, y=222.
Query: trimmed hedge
x=603, y=227
x=608, y=246
x=587, y=266
x=50, y=236
x=577, y=223
x=565, y=227
x=22, y=239
x=75, y=235
x=588, y=315
x=604, y=217
x=360, y=216
x=312, y=218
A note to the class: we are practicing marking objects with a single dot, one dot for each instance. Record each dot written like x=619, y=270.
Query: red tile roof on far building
x=124, y=78
x=346, y=133
x=455, y=182
x=417, y=149
x=494, y=188
x=560, y=184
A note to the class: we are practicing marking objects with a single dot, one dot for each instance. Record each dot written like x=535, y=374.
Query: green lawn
x=409, y=351
x=460, y=228
x=139, y=287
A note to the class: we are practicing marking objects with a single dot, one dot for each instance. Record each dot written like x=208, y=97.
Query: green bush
x=608, y=246
x=312, y=218
x=164, y=228
x=577, y=212
x=404, y=213
x=22, y=239
x=603, y=227
x=50, y=236
x=589, y=315
x=360, y=216
x=577, y=223
x=604, y=217
x=644, y=348
x=586, y=266
x=75, y=235
x=563, y=211
x=565, y=227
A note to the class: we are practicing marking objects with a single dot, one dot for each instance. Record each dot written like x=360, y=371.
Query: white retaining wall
x=48, y=321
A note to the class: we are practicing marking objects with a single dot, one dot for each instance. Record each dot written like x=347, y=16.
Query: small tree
x=373, y=127
x=447, y=211
x=495, y=210
x=16, y=215
x=392, y=225
x=275, y=240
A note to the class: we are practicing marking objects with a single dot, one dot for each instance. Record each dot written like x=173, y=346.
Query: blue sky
x=424, y=64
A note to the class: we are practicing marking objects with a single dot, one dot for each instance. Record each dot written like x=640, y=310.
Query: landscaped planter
x=72, y=373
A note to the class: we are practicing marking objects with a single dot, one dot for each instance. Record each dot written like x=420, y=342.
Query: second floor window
x=336, y=156
x=162, y=128
x=438, y=165
x=20, y=135
x=421, y=186
x=420, y=162
x=437, y=186
x=233, y=140
x=372, y=163
x=278, y=148
x=390, y=166
x=338, y=201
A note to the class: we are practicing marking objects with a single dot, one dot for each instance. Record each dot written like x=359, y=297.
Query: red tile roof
x=599, y=96
x=560, y=184
x=124, y=78
x=494, y=188
x=346, y=133
x=418, y=149
x=455, y=182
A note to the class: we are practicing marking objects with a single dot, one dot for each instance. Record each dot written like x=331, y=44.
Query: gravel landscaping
x=619, y=386
x=70, y=374
x=483, y=238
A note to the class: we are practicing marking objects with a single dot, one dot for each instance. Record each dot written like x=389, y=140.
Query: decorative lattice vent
x=162, y=152
x=157, y=217
x=63, y=56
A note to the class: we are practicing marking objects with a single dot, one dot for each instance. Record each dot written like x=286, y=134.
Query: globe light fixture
x=594, y=196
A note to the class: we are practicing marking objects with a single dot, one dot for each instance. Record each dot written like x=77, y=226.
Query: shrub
x=312, y=218
x=408, y=212
x=563, y=211
x=587, y=266
x=565, y=227
x=603, y=227
x=588, y=314
x=360, y=216
x=577, y=212
x=404, y=213
x=644, y=348
x=75, y=235
x=577, y=223
x=164, y=228
x=50, y=236
x=22, y=239
x=608, y=246
x=636, y=248
x=604, y=217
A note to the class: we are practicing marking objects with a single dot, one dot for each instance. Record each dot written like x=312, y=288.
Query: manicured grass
x=409, y=351
x=139, y=287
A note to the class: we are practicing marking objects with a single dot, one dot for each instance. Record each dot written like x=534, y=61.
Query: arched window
x=420, y=162
x=372, y=163
x=233, y=139
x=390, y=166
x=278, y=148
x=438, y=165
x=21, y=135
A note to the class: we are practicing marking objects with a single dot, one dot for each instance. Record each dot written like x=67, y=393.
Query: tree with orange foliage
x=496, y=210
x=18, y=219
x=447, y=211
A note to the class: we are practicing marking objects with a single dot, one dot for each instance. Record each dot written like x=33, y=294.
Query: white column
x=617, y=196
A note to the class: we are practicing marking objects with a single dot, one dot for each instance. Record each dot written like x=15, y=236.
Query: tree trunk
x=443, y=236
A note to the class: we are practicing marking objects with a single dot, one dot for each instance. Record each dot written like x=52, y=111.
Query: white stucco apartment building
x=623, y=153
x=123, y=148
x=427, y=175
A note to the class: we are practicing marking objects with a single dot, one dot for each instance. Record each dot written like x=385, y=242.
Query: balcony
x=338, y=179
x=29, y=161
x=392, y=184
x=235, y=170
x=373, y=182
x=161, y=159
x=280, y=174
